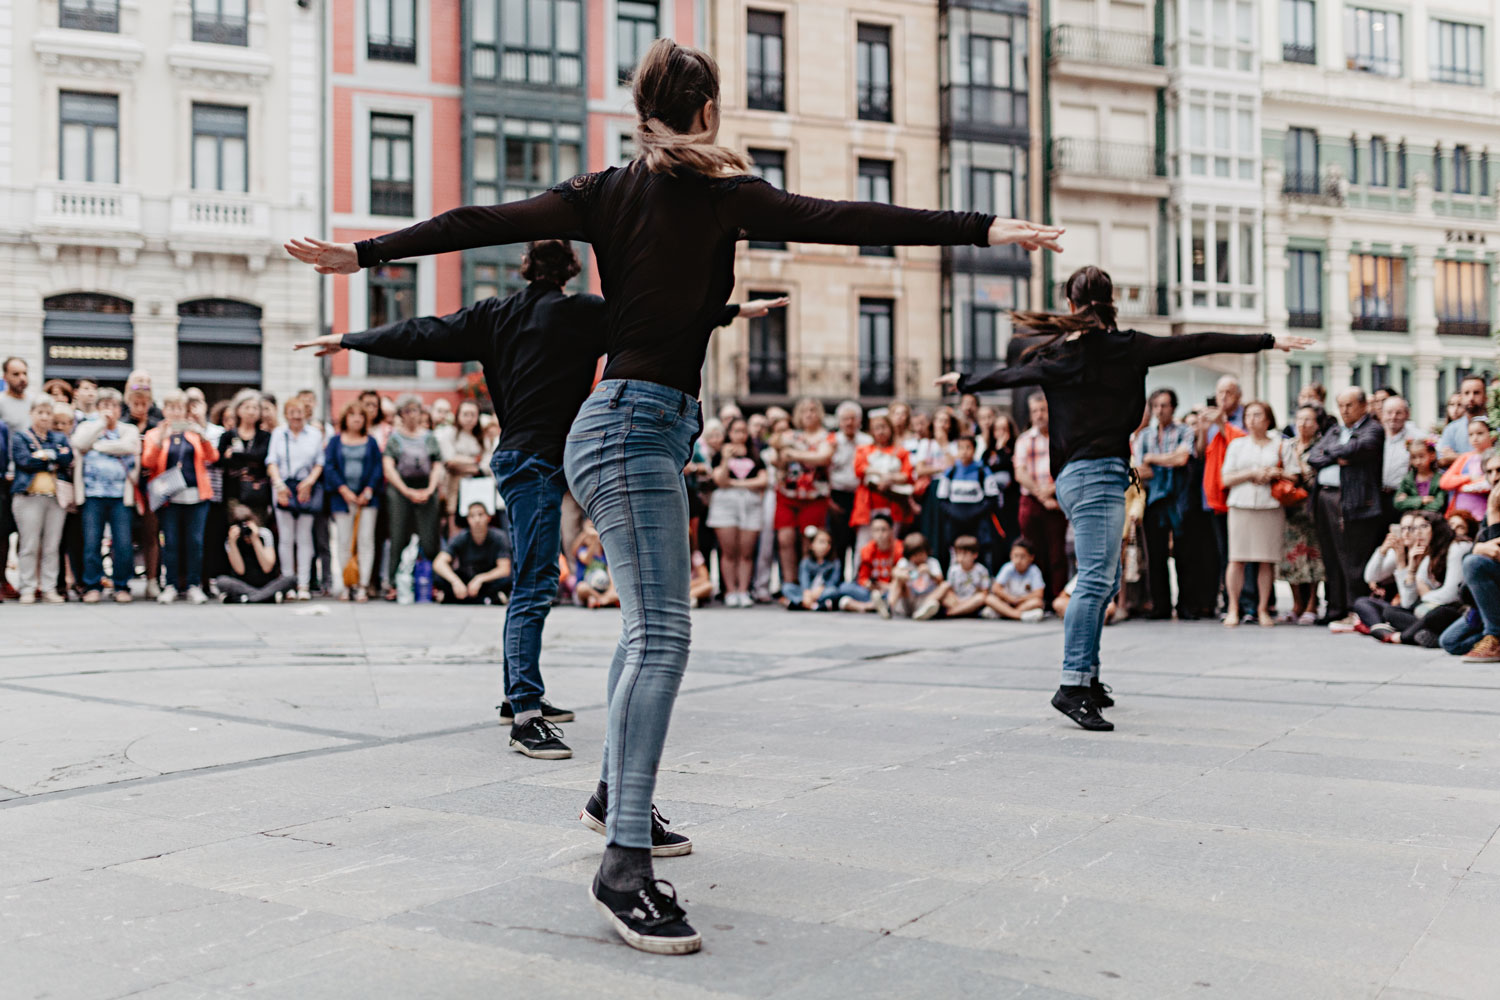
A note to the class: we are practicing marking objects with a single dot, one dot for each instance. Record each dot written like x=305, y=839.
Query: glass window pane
x=569, y=26
x=567, y=161
x=380, y=19
x=513, y=22
x=483, y=22
x=1247, y=131
x=486, y=163
x=104, y=155
x=205, y=163
x=539, y=35
x=403, y=21
x=234, y=165
x=1247, y=254
x=1221, y=128
x=401, y=161
x=1197, y=126
x=75, y=153
x=233, y=10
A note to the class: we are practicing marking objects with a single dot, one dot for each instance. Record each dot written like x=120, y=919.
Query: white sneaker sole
x=662, y=851
x=541, y=754
x=642, y=942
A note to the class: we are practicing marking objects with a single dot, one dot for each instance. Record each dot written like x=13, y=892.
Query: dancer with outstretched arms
x=664, y=230
x=1094, y=377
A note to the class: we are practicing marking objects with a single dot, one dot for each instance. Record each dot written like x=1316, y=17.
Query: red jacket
x=1213, y=468
x=875, y=566
x=867, y=500
x=154, y=457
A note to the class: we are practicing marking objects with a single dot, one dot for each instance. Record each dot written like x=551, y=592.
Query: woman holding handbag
x=176, y=458
x=1256, y=522
x=44, y=460
x=1301, y=560
x=351, y=468
x=294, y=464
x=242, y=456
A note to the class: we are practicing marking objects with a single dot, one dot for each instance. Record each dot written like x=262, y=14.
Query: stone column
x=1336, y=297
x=1426, y=406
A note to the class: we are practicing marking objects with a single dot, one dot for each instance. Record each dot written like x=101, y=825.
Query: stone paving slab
x=200, y=803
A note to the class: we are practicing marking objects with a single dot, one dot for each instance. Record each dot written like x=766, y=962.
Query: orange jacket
x=1213, y=468
x=154, y=457
x=866, y=499
x=1455, y=478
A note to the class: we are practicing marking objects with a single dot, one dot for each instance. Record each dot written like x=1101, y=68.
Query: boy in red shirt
x=876, y=561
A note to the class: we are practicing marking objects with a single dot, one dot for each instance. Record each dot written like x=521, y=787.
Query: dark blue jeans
x=624, y=461
x=97, y=512
x=182, y=542
x=532, y=488
x=1482, y=575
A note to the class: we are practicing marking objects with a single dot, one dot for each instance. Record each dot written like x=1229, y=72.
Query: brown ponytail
x=1088, y=288
x=672, y=84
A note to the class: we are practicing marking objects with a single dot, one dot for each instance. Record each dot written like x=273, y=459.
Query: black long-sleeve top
x=1096, y=384
x=665, y=248
x=538, y=347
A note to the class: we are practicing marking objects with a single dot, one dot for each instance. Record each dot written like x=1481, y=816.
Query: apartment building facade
x=161, y=154
x=1382, y=146
x=834, y=100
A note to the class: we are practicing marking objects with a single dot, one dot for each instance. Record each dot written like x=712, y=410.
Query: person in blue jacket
x=355, y=477
x=43, y=458
x=969, y=493
x=820, y=577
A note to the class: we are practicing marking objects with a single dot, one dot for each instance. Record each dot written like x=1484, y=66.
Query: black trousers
x=488, y=594
x=1158, y=527
x=1346, y=544
x=840, y=507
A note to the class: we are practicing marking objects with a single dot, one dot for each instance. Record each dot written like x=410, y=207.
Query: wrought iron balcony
x=1382, y=324
x=1305, y=320
x=100, y=16
x=389, y=49
x=1299, y=53
x=1103, y=45
x=391, y=198
x=1106, y=159
x=1309, y=185
x=222, y=30
x=1463, y=328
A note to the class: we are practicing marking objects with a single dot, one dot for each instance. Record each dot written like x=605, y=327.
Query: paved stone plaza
x=266, y=802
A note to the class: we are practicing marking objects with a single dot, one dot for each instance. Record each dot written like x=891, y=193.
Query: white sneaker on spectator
x=1032, y=616
x=989, y=613
x=1344, y=625
x=53, y=597
x=1308, y=618
x=167, y=595
x=929, y=609
x=153, y=590
x=303, y=595
x=845, y=603
x=195, y=595
x=882, y=606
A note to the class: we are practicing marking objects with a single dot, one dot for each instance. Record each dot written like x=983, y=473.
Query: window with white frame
x=542, y=41
x=1221, y=34
x=1377, y=292
x=1299, y=31
x=1380, y=174
x=392, y=180
x=1372, y=41
x=391, y=298
x=1457, y=53
x=875, y=185
x=1221, y=140
x=89, y=15
x=391, y=30
x=221, y=22
x=636, y=27
x=1218, y=258
x=221, y=156
x=89, y=137
x=538, y=154
x=1461, y=293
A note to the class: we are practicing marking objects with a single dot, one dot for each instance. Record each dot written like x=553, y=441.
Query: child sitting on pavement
x=966, y=592
x=819, y=577
x=916, y=577
x=1018, y=589
x=877, y=561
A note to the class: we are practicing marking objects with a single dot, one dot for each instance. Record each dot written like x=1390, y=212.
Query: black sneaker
x=550, y=712
x=1099, y=694
x=1082, y=710
x=664, y=843
x=539, y=738
x=647, y=918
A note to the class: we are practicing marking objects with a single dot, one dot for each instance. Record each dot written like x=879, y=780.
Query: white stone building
x=1382, y=144
x=153, y=155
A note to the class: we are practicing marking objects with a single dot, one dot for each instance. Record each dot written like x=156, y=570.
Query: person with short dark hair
x=1162, y=452
x=474, y=567
x=966, y=591
x=1019, y=591
x=110, y=451
x=1349, y=460
x=1471, y=403
x=253, y=576
x=969, y=495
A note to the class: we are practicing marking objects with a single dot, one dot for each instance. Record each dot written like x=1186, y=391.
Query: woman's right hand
x=331, y=343
x=1293, y=343
x=283, y=496
x=325, y=257
x=1025, y=234
x=948, y=382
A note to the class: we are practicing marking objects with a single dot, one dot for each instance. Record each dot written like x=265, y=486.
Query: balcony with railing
x=100, y=207
x=827, y=376
x=1293, y=53
x=221, y=29
x=1131, y=300
x=1305, y=319
x=1116, y=167
x=1312, y=186
x=394, y=198
x=220, y=214
x=1463, y=328
x=1104, y=53
x=1379, y=323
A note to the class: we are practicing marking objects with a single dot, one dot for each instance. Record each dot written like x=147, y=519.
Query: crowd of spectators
x=1375, y=524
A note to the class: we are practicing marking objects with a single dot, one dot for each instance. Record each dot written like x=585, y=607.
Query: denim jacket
x=24, y=442
x=812, y=573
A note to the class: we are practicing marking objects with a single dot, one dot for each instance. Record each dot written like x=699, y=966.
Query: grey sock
x=524, y=717
x=625, y=868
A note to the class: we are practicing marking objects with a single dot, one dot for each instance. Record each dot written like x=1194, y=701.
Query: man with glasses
x=1477, y=634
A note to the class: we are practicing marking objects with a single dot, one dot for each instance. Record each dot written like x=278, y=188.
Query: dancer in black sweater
x=1094, y=376
x=664, y=230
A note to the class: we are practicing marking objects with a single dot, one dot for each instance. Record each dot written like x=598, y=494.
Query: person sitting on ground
x=1420, y=489
x=916, y=578
x=1019, y=587
x=1476, y=635
x=1390, y=558
x=701, y=583
x=819, y=578
x=474, y=567
x=966, y=592
x=595, y=588
x=253, y=576
x=877, y=563
x=1060, y=603
x=1428, y=585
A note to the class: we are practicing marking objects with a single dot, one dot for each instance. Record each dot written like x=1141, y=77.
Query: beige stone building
x=835, y=100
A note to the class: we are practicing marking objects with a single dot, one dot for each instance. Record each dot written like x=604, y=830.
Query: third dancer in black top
x=664, y=230
x=1094, y=376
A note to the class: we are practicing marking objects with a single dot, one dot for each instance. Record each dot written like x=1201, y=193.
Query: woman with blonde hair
x=802, y=456
x=666, y=223
x=176, y=457
x=354, y=477
x=1257, y=525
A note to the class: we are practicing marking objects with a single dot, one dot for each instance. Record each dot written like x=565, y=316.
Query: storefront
x=87, y=335
x=218, y=347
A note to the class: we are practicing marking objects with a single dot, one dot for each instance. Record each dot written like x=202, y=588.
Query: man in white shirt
x=1395, y=417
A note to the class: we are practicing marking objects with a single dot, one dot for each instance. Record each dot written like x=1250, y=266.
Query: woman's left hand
x=283, y=496
x=1025, y=234
x=304, y=491
x=325, y=257
x=948, y=382
x=328, y=344
x=756, y=308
